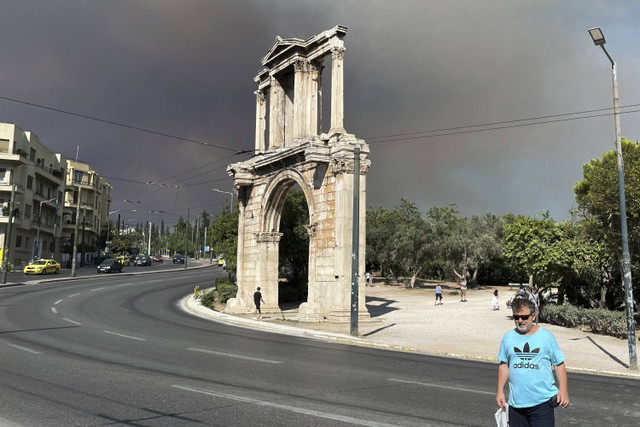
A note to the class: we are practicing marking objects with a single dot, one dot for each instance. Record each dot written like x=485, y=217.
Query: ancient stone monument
x=289, y=100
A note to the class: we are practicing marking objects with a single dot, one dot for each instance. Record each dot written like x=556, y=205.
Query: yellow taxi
x=124, y=259
x=221, y=260
x=42, y=266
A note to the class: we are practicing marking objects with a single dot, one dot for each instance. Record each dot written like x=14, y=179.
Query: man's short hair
x=520, y=303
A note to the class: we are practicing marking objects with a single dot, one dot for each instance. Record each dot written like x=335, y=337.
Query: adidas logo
x=525, y=353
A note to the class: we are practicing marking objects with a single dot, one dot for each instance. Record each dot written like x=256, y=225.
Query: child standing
x=438, y=295
x=495, y=304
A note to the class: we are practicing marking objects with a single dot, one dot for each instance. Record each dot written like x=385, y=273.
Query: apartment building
x=35, y=177
x=87, y=197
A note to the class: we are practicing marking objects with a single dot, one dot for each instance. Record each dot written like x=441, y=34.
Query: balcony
x=53, y=175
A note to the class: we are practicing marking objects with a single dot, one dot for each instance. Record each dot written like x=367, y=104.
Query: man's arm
x=503, y=375
x=563, y=390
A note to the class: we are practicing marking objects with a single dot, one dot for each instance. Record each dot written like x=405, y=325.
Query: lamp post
x=599, y=40
x=108, y=242
x=226, y=192
x=36, y=245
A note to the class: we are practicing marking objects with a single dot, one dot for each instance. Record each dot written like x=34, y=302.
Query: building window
x=77, y=176
x=32, y=154
x=44, y=246
x=3, y=174
x=27, y=211
x=18, y=241
x=29, y=183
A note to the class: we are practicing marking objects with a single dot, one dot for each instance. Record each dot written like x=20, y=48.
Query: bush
x=598, y=321
x=207, y=299
x=225, y=290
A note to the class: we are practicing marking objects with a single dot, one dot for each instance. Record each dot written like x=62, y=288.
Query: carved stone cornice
x=260, y=96
x=271, y=237
x=340, y=165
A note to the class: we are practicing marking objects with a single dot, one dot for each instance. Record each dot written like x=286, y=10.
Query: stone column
x=337, y=90
x=299, y=99
x=312, y=99
x=276, y=114
x=261, y=111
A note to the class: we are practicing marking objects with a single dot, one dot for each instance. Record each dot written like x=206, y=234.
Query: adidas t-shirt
x=530, y=358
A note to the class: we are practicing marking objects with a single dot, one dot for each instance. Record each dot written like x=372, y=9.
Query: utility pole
x=7, y=237
x=355, y=242
x=149, y=246
x=197, y=248
x=186, y=239
x=84, y=221
x=75, y=236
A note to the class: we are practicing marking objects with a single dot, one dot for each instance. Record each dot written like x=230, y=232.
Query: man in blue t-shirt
x=527, y=354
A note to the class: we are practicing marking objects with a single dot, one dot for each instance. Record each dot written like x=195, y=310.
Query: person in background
x=257, y=299
x=463, y=290
x=495, y=303
x=438, y=295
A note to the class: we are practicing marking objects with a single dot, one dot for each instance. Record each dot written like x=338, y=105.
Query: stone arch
x=275, y=195
x=322, y=164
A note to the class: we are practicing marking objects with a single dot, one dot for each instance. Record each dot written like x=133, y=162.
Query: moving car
x=110, y=265
x=141, y=260
x=178, y=259
x=157, y=258
x=42, y=266
x=124, y=260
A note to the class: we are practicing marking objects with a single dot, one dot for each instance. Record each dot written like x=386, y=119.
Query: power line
x=84, y=116
x=461, y=129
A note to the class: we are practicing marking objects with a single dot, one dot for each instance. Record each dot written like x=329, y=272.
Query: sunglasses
x=523, y=316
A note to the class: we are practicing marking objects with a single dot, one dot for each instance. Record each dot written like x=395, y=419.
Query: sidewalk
x=407, y=320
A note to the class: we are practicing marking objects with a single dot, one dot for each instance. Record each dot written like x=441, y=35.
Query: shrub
x=207, y=299
x=598, y=321
x=225, y=290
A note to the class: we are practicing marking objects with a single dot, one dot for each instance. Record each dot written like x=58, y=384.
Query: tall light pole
x=108, y=242
x=598, y=38
x=36, y=244
x=226, y=192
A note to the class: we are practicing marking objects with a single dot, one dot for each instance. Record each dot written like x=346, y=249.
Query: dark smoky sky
x=185, y=68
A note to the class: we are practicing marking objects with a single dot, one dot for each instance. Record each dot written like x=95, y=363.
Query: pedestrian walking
x=438, y=295
x=495, y=302
x=463, y=290
x=527, y=355
x=371, y=279
x=257, y=299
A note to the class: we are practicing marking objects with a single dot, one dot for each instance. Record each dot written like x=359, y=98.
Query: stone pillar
x=261, y=111
x=267, y=274
x=276, y=114
x=312, y=99
x=299, y=99
x=337, y=90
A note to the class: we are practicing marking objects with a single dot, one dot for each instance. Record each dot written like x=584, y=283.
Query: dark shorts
x=439, y=297
x=257, y=303
x=536, y=416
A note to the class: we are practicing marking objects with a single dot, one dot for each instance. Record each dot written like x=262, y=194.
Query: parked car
x=178, y=259
x=110, y=265
x=42, y=266
x=142, y=260
x=157, y=258
x=124, y=260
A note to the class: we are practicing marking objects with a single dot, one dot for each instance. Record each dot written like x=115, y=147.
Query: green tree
x=380, y=228
x=293, y=252
x=224, y=234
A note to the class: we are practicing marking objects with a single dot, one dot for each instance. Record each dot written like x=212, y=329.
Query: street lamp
x=599, y=40
x=108, y=242
x=36, y=245
x=226, y=192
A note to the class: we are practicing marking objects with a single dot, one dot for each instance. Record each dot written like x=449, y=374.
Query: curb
x=192, y=306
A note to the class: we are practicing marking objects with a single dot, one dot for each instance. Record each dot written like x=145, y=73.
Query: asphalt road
x=119, y=350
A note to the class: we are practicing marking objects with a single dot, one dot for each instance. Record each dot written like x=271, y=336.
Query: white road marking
x=27, y=349
x=74, y=295
x=97, y=289
x=57, y=302
x=71, y=321
x=237, y=356
x=124, y=284
x=54, y=310
x=443, y=386
x=297, y=410
x=154, y=281
x=125, y=336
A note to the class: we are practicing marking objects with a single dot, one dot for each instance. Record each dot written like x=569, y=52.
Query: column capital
x=337, y=52
x=259, y=96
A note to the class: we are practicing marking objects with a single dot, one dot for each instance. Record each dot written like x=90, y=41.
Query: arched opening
x=293, y=250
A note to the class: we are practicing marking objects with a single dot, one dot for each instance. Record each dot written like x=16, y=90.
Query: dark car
x=178, y=259
x=142, y=260
x=110, y=265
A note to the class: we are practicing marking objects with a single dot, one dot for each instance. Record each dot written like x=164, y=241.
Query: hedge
x=598, y=321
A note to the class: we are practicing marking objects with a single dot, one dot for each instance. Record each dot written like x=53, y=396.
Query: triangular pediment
x=286, y=48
